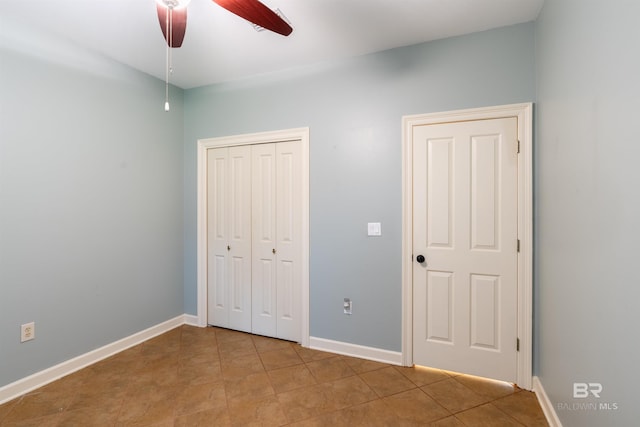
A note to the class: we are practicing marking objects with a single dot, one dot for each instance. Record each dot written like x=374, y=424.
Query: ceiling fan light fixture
x=173, y=4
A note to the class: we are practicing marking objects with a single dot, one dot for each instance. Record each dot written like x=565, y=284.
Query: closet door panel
x=217, y=258
x=288, y=238
x=239, y=237
x=229, y=237
x=264, y=240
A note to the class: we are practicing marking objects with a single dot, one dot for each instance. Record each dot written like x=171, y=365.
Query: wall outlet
x=347, y=306
x=27, y=331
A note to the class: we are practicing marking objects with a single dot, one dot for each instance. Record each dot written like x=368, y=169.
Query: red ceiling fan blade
x=258, y=13
x=178, y=25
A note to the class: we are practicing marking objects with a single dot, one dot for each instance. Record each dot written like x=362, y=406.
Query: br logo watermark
x=585, y=391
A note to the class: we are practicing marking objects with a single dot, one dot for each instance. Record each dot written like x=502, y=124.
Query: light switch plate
x=374, y=229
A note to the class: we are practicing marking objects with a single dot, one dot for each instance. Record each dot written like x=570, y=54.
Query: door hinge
x=518, y=146
x=518, y=246
x=517, y=344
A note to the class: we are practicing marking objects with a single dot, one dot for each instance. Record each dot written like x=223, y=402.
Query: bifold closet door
x=229, y=239
x=276, y=239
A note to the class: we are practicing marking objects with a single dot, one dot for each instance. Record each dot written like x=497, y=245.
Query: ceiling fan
x=172, y=15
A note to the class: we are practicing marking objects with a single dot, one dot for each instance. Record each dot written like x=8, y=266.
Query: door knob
x=420, y=258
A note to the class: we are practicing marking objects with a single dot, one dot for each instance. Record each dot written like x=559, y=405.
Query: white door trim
x=524, y=114
x=298, y=134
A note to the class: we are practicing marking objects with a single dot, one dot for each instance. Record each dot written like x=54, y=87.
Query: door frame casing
x=297, y=134
x=524, y=114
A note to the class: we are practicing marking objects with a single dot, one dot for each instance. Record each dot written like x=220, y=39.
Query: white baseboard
x=545, y=404
x=191, y=320
x=27, y=384
x=355, y=350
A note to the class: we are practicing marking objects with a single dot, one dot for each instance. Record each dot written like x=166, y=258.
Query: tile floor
x=216, y=377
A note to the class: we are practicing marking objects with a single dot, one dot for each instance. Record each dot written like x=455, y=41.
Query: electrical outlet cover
x=348, y=306
x=27, y=331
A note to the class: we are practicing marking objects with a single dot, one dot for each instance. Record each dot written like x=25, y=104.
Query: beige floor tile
x=250, y=387
x=451, y=421
x=487, y=415
x=150, y=393
x=70, y=383
x=200, y=397
x=39, y=403
x=347, y=392
x=46, y=421
x=190, y=334
x=199, y=347
x=141, y=405
x=330, y=369
x=212, y=417
x=228, y=335
x=387, y=381
x=310, y=355
x=168, y=342
x=199, y=373
x=524, y=407
x=310, y=402
x=101, y=375
x=263, y=412
x=303, y=403
x=370, y=414
x=236, y=348
x=421, y=375
x=123, y=363
x=190, y=358
x=147, y=413
x=291, y=378
x=280, y=358
x=362, y=365
x=89, y=416
x=5, y=408
x=241, y=366
x=454, y=396
x=98, y=398
x=264, y=344
x=164, y=376
x=485, y=387
x=414, y=406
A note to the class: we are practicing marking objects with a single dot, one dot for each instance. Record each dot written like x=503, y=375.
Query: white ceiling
x=219, y=46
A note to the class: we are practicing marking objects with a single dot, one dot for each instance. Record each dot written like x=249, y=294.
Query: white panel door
x=288, y=254
x=465, y=227
x=229, y=240
x=264, y=292
x=217, y=254
x=277, y=239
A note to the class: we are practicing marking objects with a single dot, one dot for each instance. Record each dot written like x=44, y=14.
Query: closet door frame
x=297, y=134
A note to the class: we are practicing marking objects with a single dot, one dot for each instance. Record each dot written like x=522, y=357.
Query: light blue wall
x=353, y=109
x=588, y=206
x=90, y=202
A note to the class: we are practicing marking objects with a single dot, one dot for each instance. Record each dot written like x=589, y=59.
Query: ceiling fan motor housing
x=173, y=4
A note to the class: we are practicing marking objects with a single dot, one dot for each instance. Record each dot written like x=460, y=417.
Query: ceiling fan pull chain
x=166, y=74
